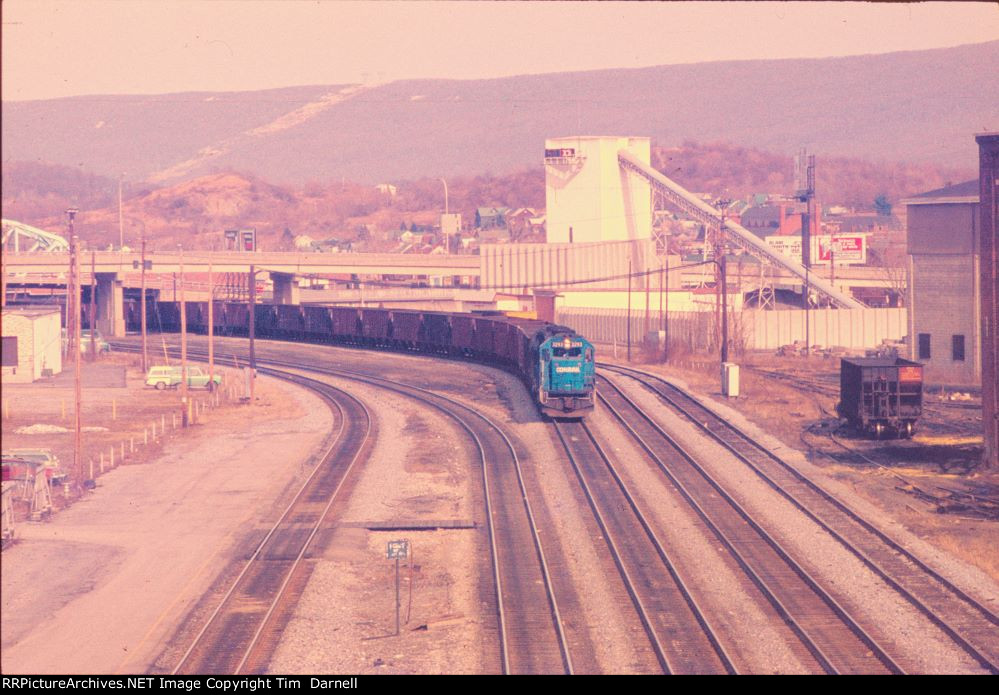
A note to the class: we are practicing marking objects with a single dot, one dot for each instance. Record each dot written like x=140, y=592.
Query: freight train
x=557, y=365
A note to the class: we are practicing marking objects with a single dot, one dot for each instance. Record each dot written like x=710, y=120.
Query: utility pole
x=183, y=344
x=722, y=266
x=211, y=325
x=806, y=194
x=145, y=360
x=252, y=280
x=71, y=287
x=121, y=225
x=628, y=326
x=93, y=306
x=666, y=308
x=74, y=343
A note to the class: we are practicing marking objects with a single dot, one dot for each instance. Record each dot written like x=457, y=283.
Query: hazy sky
x=71, y=47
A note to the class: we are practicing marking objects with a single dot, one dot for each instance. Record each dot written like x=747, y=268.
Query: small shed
x=32, y=343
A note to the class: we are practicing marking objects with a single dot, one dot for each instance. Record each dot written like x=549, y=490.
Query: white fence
x=751, y=329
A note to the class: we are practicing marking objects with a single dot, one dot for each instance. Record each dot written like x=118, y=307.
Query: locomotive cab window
x=562, y=352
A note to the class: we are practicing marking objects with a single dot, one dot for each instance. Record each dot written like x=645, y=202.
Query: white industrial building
x=32, y=343
x=589, y=197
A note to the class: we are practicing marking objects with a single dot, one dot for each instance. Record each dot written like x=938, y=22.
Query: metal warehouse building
x=32, y=343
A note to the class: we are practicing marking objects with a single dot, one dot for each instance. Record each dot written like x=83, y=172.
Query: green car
x=101, y=344
x=170, y=377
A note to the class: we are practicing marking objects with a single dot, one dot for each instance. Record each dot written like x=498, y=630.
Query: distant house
x=386, y=188
x=490, y=217
x=763, y=220
x=524, y=221
x=494, y=236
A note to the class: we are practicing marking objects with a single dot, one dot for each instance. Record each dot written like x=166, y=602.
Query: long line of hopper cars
x=556, y=364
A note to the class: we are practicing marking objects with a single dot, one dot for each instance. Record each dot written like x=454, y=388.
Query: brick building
x=988, y=179
x=943, y=290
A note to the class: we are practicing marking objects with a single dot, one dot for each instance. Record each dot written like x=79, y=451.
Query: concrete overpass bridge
x=117, y=273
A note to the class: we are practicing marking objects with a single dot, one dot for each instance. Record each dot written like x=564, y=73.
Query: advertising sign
x=848, y=249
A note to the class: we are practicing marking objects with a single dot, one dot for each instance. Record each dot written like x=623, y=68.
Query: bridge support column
x=110, y=305
x=286, y=289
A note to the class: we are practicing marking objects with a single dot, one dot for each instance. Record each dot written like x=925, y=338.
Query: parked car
x=163, y=377
x=102, y=345
x=18, y=464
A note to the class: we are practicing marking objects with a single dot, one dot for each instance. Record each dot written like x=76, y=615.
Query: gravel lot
x=101, y=586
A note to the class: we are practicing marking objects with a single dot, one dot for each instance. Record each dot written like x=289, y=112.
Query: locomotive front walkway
x=102, y=587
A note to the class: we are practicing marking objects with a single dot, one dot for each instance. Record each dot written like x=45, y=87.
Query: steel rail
x=618, y=555
x=772, y=594
x=325, y=391
x=406, y=389
x=426, y=395
x=942, y=587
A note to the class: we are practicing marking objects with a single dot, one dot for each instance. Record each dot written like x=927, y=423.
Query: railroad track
x=241, y=633
x=967, y=622
x=530, y=628
x=678, y=631
x=835, y=641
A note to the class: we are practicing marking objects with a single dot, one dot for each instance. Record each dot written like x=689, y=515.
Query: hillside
x=195, y=212
x=920, y=106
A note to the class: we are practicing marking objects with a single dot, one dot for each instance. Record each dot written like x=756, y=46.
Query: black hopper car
x=555, y=363
x=881, y=395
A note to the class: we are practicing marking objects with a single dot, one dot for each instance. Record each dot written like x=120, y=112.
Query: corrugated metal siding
x=517, y=266
x=756, y=330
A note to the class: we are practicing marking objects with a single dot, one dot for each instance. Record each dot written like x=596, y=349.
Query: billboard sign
x=846, y=249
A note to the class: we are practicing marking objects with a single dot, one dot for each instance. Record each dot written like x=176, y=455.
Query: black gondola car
x=879, y=395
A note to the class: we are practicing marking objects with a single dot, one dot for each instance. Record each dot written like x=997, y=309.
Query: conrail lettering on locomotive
x=557, y=365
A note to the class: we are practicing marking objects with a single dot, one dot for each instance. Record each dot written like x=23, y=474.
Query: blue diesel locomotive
x=566, y=371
